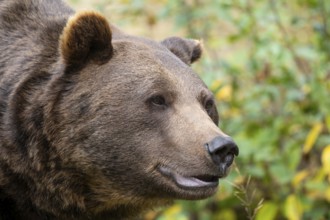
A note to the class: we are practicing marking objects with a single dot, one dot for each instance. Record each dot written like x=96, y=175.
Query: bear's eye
x=158, y=100
x=209, y=105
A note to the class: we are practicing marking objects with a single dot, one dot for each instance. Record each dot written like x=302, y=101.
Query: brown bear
x=98, y=124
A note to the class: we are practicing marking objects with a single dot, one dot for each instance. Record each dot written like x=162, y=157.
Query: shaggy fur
x=89, y=114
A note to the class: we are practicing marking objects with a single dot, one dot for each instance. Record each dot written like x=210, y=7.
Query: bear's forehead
x=160, y=68
x=153, y=57
x=143, y=66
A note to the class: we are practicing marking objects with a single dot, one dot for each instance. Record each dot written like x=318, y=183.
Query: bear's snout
x=222, y=151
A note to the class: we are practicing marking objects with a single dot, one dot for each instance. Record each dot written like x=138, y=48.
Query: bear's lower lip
x=190, y=181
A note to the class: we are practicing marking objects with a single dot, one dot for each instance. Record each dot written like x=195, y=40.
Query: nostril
x=229, y=159
x=222, y=150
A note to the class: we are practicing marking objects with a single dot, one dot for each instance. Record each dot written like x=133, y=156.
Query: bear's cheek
x=131, y=147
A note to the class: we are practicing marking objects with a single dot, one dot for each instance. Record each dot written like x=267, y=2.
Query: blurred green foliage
x=267, y=62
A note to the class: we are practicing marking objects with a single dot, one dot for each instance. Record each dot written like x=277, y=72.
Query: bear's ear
x=86, y=37
x=187, y=50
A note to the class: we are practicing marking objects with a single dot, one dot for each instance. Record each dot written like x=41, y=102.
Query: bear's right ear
x=86, y=37
x=188, y=50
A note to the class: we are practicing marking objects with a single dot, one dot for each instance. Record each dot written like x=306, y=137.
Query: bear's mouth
x=190, y=181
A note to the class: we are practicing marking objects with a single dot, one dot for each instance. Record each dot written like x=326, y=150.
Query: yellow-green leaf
x=215, y=85
x=327, y=121
x=224, y=93
x=299, y=177
x=227, y=214
x=312, y=137
x=319, y=176
x=293, y=208
x=306, y=89
x=327, y=194
x=268, y=211
x=174, y=212
x=326, y=159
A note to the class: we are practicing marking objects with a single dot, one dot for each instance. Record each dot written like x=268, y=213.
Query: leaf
x=293, y=208
x=281, y=173
x=311, y=137
x=299, y=177
x=227, y=214
x=307, y=52
x=174, y=212
x=224, y=93
x=327, y=194
x=215, y=85
x=268, y=211
x=327, y=120
x=326, y=159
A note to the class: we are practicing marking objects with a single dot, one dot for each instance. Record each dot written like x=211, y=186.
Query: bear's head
x=131, y=115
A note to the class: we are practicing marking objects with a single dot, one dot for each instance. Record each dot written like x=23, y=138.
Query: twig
x=246, y=197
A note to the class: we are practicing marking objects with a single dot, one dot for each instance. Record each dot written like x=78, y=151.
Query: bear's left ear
x=86, y=37
x=187, y=50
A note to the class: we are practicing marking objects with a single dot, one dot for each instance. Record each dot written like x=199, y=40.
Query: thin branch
x=246, y=197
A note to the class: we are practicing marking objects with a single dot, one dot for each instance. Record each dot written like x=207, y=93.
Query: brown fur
x=86, y=37
x=83, y=130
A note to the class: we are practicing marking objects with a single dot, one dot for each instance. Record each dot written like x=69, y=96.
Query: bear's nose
x=222, y=151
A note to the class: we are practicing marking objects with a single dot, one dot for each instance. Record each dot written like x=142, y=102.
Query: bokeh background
x=268, y=64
